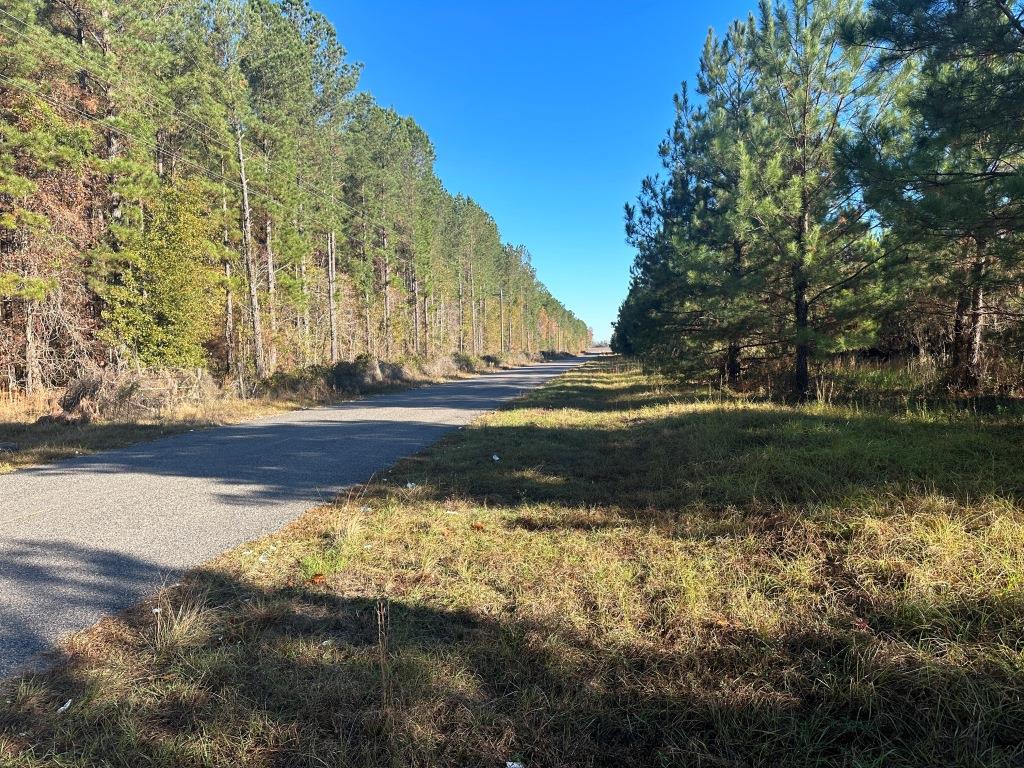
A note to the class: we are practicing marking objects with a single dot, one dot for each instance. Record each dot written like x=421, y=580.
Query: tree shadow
x=296, y=673
x=44, y=590
x=591, y=393
x=726, y=457
x=304, y=675
x=25, y=444
x=301, y=456
x=175, y=502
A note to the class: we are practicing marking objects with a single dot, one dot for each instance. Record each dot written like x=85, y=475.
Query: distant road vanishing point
x=88, y=537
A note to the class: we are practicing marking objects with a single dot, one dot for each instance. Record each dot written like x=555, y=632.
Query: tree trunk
x=462, y=315
x=522, y=322
x=733, y=366
x=802, y=343
x=251, y=272
x=370, y=351
x=229, y=319
x=386, y=279
x=974, y=339
x=32, y=368
x=801, y=374
x=83, y=74
x=963, y=303
x=229, y=300
x=112, y=138
x=973, y=323
x=501, y=319
x=416, y=314
x=332, y=288
x=472, y=311
x=271, y=296
x=304, y=319
x=440, y=324
x=426, y=325
x=733, y=361
x=159, y=152
x=483, y=325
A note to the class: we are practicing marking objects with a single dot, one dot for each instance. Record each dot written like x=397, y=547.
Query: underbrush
x=365, y=374
x=917, y=383
x=118, y=412
x=615, y=571
x=900, y=384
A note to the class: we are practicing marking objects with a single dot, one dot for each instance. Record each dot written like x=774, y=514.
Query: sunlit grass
x=26, y=443
x=648, y=575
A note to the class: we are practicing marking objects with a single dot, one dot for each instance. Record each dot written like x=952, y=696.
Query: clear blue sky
x=547, y=113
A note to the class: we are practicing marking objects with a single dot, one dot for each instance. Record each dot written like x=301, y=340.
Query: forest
x=844, y=183
x=201, y=185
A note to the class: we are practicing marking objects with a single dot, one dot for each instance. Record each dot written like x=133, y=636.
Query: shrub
x=108, y=393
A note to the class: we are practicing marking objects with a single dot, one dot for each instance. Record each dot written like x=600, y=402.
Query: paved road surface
x=88, y=537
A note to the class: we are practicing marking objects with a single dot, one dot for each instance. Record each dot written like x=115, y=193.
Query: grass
x=647, y=576
x=26, y=443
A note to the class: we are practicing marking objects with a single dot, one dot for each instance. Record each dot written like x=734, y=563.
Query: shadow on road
x=301, y=455
x=83, y=538
x=88, y=583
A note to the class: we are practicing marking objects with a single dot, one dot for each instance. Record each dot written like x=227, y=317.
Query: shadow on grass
x=592, y=393
x=718, y=457
x=300, y=676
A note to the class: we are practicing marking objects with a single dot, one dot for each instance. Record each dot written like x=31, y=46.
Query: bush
x=108, y=393
x=321, y=382
x=551, y=354
x=468, y=363
x=133, y=394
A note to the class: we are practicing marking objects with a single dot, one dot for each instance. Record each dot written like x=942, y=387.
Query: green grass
x=648, y=576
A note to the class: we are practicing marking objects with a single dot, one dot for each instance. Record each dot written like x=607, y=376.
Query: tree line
x=848, y=179
x=200, y=184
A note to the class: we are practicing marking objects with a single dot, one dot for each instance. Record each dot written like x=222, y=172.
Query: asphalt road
x=88, y=537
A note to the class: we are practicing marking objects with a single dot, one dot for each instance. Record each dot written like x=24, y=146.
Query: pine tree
x=808, y=221
x=950, y=172
x=159, y=162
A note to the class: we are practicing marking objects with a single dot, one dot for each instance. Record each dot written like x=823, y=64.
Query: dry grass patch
x=645, y=577
x=25, y=442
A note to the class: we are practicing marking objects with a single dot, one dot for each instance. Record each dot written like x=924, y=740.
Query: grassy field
x=645, y=576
